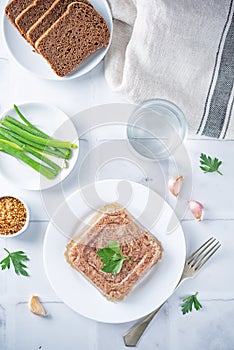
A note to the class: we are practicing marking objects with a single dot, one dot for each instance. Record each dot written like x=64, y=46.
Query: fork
x=192, y=265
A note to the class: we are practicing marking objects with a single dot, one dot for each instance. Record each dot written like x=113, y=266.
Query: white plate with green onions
x=39, y=146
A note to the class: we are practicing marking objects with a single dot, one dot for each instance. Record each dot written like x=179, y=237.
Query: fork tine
x=203, y=261
x=200, y=250
x=199, y=259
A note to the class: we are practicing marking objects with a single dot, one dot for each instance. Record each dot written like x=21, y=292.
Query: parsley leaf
x=189, y=302
x=113, y=266
x=17, y=259
x=209, y=165
x=112, y=258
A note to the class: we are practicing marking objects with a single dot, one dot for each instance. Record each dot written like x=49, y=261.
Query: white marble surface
x=211, y=328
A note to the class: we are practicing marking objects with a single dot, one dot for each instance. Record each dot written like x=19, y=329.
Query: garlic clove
x=175, y=184
x=36, y=307
x=196, y=209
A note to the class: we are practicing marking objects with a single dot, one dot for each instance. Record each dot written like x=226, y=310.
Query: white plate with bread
x=58, y=39
x=79, y=228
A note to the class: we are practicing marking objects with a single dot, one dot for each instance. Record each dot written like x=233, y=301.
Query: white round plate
x=52, y=121
x=81, y=295
x=23, y=52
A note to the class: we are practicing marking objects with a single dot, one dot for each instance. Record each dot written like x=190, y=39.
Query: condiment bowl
x=24, y=227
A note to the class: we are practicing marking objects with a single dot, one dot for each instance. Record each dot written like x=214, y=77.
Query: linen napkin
x=179, y=50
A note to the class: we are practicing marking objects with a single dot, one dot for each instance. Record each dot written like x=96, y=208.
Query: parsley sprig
x=112, y=258
x=209, y=165
x=17, y=259
x=189, y=302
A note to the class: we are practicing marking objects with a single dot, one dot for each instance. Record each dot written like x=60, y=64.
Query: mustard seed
x=13, y=215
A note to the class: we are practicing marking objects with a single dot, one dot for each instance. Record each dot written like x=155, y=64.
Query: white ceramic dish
x=23, y=53
x=27, y=218
x=81, y=295
x=54, y=122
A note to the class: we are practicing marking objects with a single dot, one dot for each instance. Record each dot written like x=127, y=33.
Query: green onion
x=36, y=139
x=36, y=153
x=48, y=150
x=22, y=116
x=17, y=152
x=22, y=140
x=26, y=121
x=43, y=158
x=38, y=132
x=24, y=127
x=34, y=130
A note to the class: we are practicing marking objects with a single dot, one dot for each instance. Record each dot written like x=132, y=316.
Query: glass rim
x=172, y=107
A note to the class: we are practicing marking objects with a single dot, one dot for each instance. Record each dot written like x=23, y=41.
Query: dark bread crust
x=15, y=7
x=31, y=14
x=47, y=20
x=78, y=33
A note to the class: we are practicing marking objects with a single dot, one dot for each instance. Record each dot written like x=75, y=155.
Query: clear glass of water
x=156, y=129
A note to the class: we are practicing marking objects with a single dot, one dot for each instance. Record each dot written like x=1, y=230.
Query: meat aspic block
x=114, y=223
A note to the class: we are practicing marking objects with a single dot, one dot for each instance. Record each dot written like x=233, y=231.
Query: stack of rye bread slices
x=64, y=32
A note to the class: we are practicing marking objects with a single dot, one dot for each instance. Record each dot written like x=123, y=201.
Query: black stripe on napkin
x=223, y=88
x=229, y=118
x=214, y=69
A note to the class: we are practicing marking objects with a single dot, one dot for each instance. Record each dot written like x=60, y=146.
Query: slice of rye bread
x=31, y=14
x=78, y=33
x=50, y=16
x=15, y=7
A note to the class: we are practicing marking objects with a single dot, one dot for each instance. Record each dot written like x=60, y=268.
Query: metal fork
x=193, y=264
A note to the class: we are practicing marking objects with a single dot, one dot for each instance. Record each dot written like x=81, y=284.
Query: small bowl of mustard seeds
x=14, y=216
